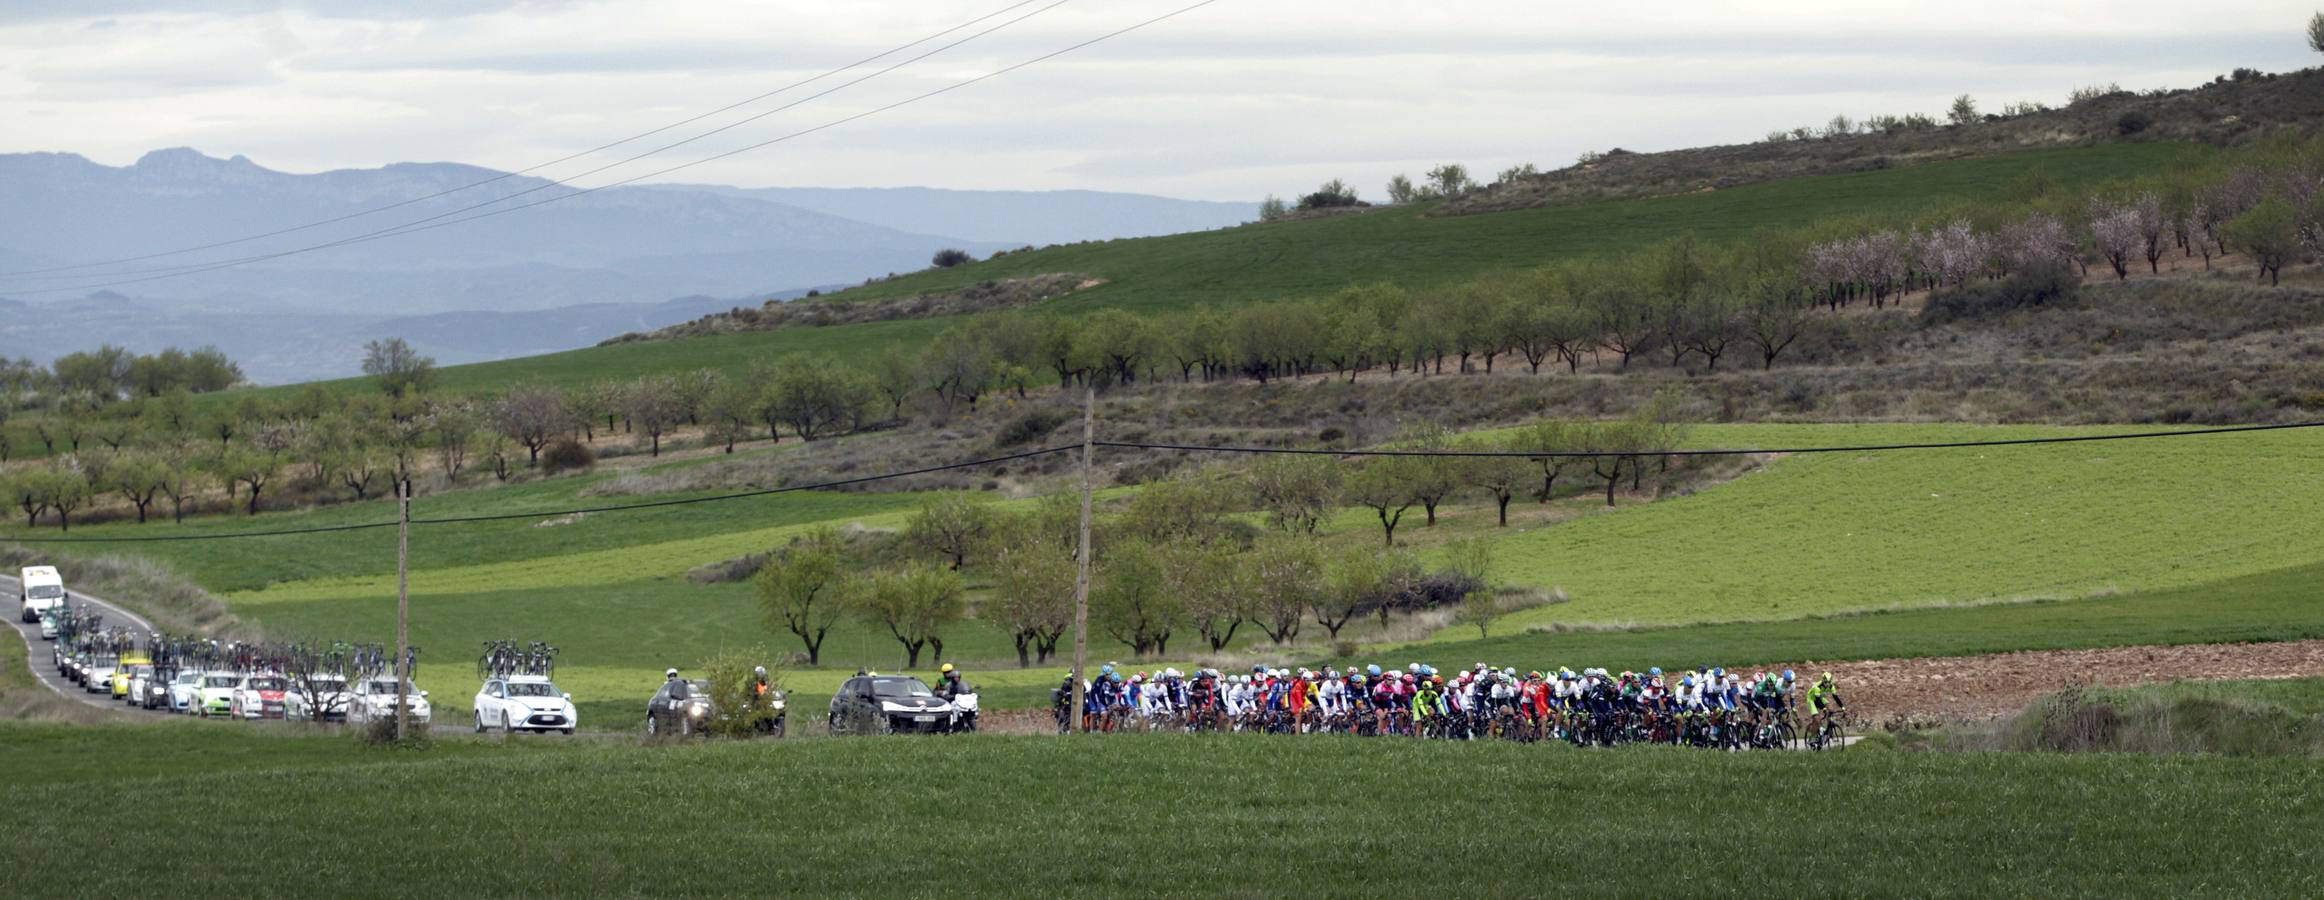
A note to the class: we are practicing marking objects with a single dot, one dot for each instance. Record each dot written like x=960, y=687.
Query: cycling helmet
x=1373, y=671
x=1428, y=671
x=946, y=669
x=1534, y=675
x=1174, y=673
x=1356, y=678
x=1655, y=671
x=1826, y=679
x=1510, y=672
x=1107, y=669
x=1117, y=676
x=1689, y=681
x=760, y=672
x=1787, y=675
x=1409, y=678
x=1412, y=668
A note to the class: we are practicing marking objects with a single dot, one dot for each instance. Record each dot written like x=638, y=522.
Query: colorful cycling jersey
x=1819, y=693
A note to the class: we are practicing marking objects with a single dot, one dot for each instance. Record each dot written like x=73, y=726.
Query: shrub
x=732, y=689
x=1033, y=425
x=2024, y=290
x=949, y=257
x=2133, y=122
x=381, y=733
x=567, y=454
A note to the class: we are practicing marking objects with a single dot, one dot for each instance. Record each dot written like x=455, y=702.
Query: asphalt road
x=37, y=654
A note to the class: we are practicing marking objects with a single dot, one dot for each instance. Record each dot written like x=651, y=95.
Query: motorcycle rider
x=948, y=683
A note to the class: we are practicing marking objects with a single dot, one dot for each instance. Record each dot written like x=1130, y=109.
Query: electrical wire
x=431, y=223
x=527, y=170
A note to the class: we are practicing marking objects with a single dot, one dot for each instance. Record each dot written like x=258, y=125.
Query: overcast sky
x=1231, y=101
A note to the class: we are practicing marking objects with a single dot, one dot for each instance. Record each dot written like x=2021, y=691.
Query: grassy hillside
x=1824, y=533
x=1403, y=245
x=999, y=815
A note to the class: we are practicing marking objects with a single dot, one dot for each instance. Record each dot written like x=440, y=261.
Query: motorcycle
x=963, y=712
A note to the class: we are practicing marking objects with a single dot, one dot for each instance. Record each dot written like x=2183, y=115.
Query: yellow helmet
x=1827, y=678
x=947, y=669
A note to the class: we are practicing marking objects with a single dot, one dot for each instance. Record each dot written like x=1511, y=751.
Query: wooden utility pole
x=1081, y=581
x=403, y=607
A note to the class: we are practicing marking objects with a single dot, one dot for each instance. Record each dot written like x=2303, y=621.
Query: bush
x=1034, y=425
x=2024, y=290
x=567, y=455
x=2133, y=122
x=740, y=708
x=949, y=257
x=381, y=733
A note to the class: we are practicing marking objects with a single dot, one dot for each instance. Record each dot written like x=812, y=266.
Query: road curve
x=36, y=650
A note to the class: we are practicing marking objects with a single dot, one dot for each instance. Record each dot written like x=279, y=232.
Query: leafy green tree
x=915, y=603
x=400, y=370
x=1363, y=580
x=1385, y=486
x=1501, y=477
x=1963, y=111
x=798, y=588
x=250, y=467
x=68, y=489
x=1283, y=575
x=1033, y=582
x=1400, y=190
x=2270, y=232
x=896, y=375
x=815, y=395
x=1451, y=181
x=532, y=414
x=1216, y=589
x=138, y=477
x=1127, y=598
x=27, y=489
x=1296, y=491
x=732, y=411
x=951, y=525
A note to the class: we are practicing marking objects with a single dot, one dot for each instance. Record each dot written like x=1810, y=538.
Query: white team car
x=329, y=701
x=185, y=690
x=97, y=675
x=524, y=703
x=374, y=700
x=261, y=697
x=214, y=696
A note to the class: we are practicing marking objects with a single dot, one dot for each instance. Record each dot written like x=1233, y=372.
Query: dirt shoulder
x=1979, y=688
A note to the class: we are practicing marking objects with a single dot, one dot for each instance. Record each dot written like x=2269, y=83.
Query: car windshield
x=379, y=687
x=899, y=687
x=187, y=678
x=140, y=670
x=220, y=681
x=531, y=689
x=45, y=592
x=265, y=684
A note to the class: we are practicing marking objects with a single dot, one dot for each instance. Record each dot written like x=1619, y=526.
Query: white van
x=44, y=590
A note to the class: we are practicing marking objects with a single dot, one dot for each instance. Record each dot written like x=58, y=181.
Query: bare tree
x=532, y=414
x=651, y=403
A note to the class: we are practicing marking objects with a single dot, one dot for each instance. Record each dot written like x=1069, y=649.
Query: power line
x=431, y=223
x=530, y=169
x=500, y=517
x=1730, y=451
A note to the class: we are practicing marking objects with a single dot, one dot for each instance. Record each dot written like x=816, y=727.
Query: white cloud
x=1238, y=99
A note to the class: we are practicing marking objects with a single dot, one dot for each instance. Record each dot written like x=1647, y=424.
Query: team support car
x=524, y=703
x=129, y=680
x=152, y=691
x=374, y=700
x=215, y=695
x=261, y=697
x=97, y=674
x=680, y=707
x=888, y=704
x=48, y=626
x=44, y=590
x=321, y=698
x=185, y=690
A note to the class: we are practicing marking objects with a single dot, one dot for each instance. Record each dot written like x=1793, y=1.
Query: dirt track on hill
x=1977, y=688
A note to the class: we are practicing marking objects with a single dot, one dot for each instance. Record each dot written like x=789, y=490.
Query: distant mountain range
x=564, y=275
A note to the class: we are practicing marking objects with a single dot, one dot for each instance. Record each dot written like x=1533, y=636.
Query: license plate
x=923, y=718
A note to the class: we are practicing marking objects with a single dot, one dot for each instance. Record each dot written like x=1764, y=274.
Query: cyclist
x=1823, y=698
x=1427, y=705
x=948, y=683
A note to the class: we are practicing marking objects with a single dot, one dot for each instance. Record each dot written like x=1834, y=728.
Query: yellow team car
x=126, y=670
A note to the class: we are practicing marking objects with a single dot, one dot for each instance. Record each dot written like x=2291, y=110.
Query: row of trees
x=94, y=378
x=1175, y=559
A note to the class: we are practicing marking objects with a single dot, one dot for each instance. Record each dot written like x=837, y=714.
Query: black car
x=680, y=707
x=888, y=704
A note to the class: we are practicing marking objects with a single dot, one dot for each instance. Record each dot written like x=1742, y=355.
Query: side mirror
x=423, y=693
x=568, y=698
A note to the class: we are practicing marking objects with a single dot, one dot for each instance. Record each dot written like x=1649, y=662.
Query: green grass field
x=1231, y=815
x=1827, y=533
